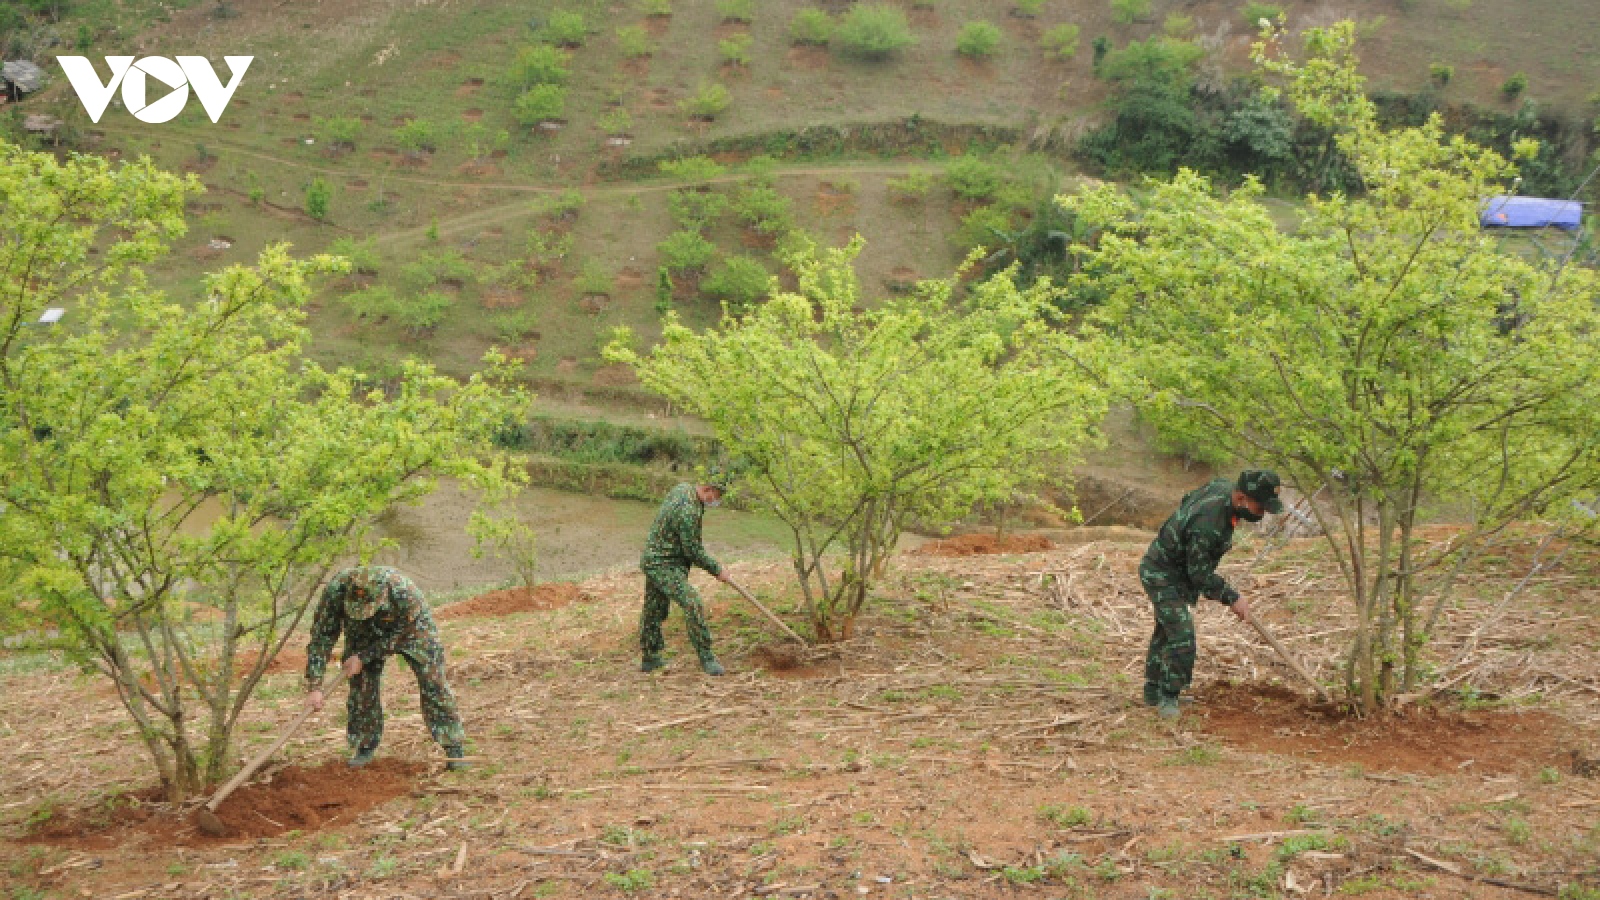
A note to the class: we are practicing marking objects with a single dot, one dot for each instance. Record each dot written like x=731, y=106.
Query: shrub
x=1127, y=12
x=708, y=103
x=972, y=178
x=340, y=132
x=811, y=26
x=1440, y=74
x=1514, y=85
x=910, y=188
x=762, y=208
x=594, y=279
x=1060, y=41
x=1177, y=25
x=872, y=31
x=1254, y=12
x=1029, y=8
x=1102, y=46
x=696, y=210
x=685, y=251
x=739, y=281
x=978, y=40
x=513, y=326
x=430, y=269
x=615, y=121
x=371, y=303
x=363, y=255
x=634, y=41
x=979, y=226
x=422, y=313
x=318, y=196
x=735, y=50
x=566, y=29
x=691, y=168
x=539, y=64
x=737, y=10
x=541, y=103
x=657, y=7
x=417, y=136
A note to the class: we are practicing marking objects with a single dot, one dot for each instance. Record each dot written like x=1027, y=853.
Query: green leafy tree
x=1029, y=8
x=973, y=177
x=696, y=210
x=1127, y=12
x=739, y=282
x=541, y=103
x=340, y=132
x=539, y=64
x=710, y=101
x=318, y=196
x=420, y=314
x=634, y=41
x=1061, y=41
x=664, y=289
x=743, y=11
x=179, y=479
x=811, y=26
x=735, y=50
x=764, y=209
x=566, y=28
x=872, y=31
x=851, y=423
x=506, y=538
x=698, y=169
x=978, y=40
x=1384, y=357
x=417, y=136
x=685, y=251
x=1154, y=120
x=1254, y=13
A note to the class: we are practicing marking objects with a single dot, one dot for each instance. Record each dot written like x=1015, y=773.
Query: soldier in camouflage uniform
x=1181, y=565
x=381, y=612
x=671, y=549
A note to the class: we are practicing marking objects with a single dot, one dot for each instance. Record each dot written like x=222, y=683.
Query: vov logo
x=134, y=77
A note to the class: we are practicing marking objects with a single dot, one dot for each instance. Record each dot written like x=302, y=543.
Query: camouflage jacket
x=675, y=535
x=400, y=623
x=1191, y=543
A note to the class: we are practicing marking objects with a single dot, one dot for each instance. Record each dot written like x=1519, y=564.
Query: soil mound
x=511, y=601
x=981, y=544
x=1422, y=740
x=785, y=661
x=293, y=798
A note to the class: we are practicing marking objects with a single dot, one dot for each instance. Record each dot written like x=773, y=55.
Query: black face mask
x=1243, y=512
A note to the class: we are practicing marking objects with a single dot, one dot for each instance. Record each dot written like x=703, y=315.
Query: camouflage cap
x=1261, y=485
x=363, y=592
x=719, y=478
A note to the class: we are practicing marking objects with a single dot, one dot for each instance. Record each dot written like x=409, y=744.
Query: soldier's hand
x=1241, y=608
x=352, y=667
x=314, y=701
x=724, y=578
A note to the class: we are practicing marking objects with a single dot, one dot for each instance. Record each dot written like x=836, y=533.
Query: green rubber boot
x=363, y=756
x=652, y=663
x=712, y=667
x=455, y=755
x=1168, y=708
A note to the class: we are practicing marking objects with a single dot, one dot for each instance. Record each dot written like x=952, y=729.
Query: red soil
x=510, y=601
x=981, y=544
x=1422, y=740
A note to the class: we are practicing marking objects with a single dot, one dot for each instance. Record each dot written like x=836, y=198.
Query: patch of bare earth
x=981, y=735
x=510, y=601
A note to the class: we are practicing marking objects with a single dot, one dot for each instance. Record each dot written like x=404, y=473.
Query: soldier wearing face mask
x=1181, y=565
x=672, y=547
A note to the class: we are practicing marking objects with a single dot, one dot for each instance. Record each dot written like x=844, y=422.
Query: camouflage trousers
x=664, y=586
x=1169, y=662
x=365, y=701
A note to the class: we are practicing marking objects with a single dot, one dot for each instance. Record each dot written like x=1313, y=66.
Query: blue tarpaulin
x=1531, y=212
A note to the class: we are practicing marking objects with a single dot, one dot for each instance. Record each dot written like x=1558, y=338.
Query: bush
x=1440, y=74
x=696, y=210
x=685, y=251
x=318, y=196
x=539, y=64
x=1029, y=8
x=513, y=326
x=1177, y=25
x=979, y=226
x=972, y=178
x=430, y=269
x=1514, y=85
x=872, y=31
x=615, y=122
x=708, y=103
x=541, y=103
x=657, y=7
x=1061, y=41
x=363, y=255
x=1102, y=46
x=739, y=281
x=735, y=50
x=691, y=168
x=417, y=136
x=811, y=26
x=910, y=188
x=1253, y=13
x=737, y=10
x=422, y=313
x=634, y=41
x=340, y=132
x=978, y=40
x=566, y=29
x=763, y=208
x=369, y=304
x=1127, y=12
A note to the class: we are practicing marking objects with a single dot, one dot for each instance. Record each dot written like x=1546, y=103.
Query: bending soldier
x=1181, y=565
x=671, y=549
x=381, y=612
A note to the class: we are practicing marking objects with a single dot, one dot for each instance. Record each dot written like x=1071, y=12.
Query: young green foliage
x=852, y=423
x=1385, y=355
